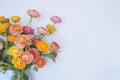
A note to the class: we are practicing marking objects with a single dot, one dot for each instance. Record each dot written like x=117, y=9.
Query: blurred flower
x=3, y=19
x=26, y=57
x=21, y=41
x=55, y=45
x=43, y=31
x=1, y=62
x=1, y=46
x=10, y=38
x=55, y=54
x=3, y=27
x=14, y=51
x=35, y=53
x=15, y=18
x=18, y=63
x=56, y=19
x=41, y=62
x=28, y=30
x=43, y=46
x=36, y=40
x=33, y=13
x=51, y=28
x=15, y=29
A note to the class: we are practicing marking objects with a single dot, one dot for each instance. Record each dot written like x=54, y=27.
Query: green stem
x=30, y=21
x=9, y=65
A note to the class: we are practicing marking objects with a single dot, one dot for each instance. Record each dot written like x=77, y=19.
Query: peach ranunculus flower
x=21, y=41
x=15, y=29
x=33, y=13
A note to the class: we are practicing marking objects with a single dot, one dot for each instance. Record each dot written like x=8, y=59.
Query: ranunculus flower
x=10, y=38
x=16, y=61
x=4, y=27
x=15, y=18
x=43, y=31
x=35, y=53
x=21, y=41
x=51, y=28
x=55, y=54
x=28, y=30
x=1, y=45
x=36, y=40
x=14, y=51
x=41, y=62
x=56, y=19
x=33, y=13
x=15, y=29
x=1, y=62
x=3, y=19
x=43, y=46
x=26, y=57
x=55, y=45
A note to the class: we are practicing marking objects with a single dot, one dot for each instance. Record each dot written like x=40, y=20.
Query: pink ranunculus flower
x=35, y=54
x=43, y=31
x=56, y=19
x=26, y=57
x=28, y=30
x=33, y=13
x=21, y=41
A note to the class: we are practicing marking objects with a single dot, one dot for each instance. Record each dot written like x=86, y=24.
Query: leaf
x=35, y=68
x=51, y=56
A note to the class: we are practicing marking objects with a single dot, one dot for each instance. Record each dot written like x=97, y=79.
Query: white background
x=89, y=37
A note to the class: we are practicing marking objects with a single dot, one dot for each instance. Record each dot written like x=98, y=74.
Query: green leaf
x=35, y=68
x=51, y=56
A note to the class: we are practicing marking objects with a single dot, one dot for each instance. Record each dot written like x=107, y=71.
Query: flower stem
x=30, y=21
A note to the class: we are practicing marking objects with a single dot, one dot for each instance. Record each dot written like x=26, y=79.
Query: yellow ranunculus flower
x=14, y=51
x=15, y=18
x=17, y=63
x=3, y=27
x=10, y=38
x=3, y=19
x=43, y=46
x=51, y=28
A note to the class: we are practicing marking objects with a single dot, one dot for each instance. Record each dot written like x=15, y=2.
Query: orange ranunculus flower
x=21, y=41
x=3, y=19
x=55, y=45
x=41, y=62
x=43, y=46
x=15, y=29
x=10, y=38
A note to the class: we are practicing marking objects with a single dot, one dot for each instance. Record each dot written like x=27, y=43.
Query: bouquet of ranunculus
x=21, y=48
